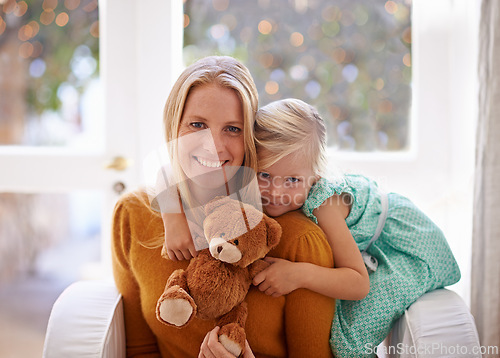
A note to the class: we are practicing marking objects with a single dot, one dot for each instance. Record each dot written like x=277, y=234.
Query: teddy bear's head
x=238, y=233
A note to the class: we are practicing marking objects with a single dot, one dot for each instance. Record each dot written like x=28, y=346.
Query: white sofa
x=87, y=321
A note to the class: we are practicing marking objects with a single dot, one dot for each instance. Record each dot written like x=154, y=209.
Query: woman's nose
x=213, y=143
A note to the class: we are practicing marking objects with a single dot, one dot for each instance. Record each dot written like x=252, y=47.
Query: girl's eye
x=293, y=180
x=264, y=175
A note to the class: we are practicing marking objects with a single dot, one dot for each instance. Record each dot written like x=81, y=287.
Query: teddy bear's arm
x=257, y=267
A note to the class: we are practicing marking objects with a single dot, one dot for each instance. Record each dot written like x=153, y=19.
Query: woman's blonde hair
x=222, y=71
x=290, y=126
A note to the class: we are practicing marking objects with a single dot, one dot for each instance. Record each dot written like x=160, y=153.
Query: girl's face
x=211, y=135
x=284, y=186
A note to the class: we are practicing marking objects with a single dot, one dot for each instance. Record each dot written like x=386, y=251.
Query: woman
x=214, y=101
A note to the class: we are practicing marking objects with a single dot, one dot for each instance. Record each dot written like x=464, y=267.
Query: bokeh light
x=272, y=87
x=265, y=27
x=391, y=7
x=21, y=8
x=62, y=19
x=220, y=5
x=296, y=39
x=47, y=16
x=25, y=49
x=71, y=4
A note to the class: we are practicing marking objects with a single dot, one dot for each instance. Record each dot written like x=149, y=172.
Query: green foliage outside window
x=50, y=50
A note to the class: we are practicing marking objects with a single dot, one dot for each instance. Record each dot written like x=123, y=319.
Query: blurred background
x=82, y=85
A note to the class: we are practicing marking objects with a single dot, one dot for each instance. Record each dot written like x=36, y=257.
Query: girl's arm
x=347, y=281
x=179, y=243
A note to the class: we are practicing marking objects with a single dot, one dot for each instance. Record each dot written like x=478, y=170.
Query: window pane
x=350, y=59
x=49, y=59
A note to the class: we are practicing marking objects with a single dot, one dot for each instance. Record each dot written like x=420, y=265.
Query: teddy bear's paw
x=175, y=307
x=232, y=337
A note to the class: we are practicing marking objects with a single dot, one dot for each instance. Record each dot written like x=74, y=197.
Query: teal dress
x=413, y=258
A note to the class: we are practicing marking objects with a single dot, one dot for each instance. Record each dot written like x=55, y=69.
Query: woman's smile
x=210, y=163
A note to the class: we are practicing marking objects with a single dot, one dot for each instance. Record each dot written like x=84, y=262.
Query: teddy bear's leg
x=175, y=306
x=232, y=333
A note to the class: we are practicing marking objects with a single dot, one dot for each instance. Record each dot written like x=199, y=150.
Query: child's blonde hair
x=290, y=126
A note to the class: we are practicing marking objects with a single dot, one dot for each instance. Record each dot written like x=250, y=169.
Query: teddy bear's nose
x=219, y=249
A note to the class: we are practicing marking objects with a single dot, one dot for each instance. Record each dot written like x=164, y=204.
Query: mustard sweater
x=295, y=325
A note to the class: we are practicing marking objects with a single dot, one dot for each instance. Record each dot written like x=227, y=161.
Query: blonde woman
x=209, y=121
x=368, y=231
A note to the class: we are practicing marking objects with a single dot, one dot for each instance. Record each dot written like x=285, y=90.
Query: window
x=49, y=71
x=49, y=59
x=350, y=59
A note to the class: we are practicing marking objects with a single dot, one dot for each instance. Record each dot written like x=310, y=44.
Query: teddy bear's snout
x=224, y=251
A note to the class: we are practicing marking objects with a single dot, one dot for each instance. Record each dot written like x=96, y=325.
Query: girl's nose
x=275, y=191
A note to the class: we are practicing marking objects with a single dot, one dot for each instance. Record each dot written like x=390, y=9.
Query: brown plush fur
x=215, y=289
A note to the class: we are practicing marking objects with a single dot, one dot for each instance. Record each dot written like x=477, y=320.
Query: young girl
x=404, y=252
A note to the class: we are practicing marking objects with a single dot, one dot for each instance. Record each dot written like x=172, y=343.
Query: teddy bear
x=216, y=281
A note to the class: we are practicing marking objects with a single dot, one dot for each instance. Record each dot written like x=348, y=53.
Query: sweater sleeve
x=141, y=342
x=308, y=315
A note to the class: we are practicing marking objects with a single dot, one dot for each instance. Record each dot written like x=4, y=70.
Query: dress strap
x=370, y=261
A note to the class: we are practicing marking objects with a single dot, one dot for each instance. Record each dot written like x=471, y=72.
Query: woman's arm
x=212, y=348
x=139, y=337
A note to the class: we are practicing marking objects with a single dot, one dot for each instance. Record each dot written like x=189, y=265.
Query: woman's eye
x=264, y=175
x=198, y=125
x=233, y=129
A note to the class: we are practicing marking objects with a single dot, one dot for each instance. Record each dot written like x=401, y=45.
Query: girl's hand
x=280, y=278
x=212, y=348
x=179, y=244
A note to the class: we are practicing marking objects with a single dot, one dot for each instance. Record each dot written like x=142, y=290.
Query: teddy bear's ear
x=215, y=203
x=273, y=232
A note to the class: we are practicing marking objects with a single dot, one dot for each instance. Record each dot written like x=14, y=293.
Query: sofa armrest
x=438, y=324
x=86, y=321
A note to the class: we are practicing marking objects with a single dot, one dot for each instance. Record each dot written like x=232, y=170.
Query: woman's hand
x=280, y=278
x=212, y=348
x=179, y=236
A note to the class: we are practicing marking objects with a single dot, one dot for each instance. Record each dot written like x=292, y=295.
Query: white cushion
x=438, y=324
x=86, y=321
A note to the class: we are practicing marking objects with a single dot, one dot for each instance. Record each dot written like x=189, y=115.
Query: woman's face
x=210, y=141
